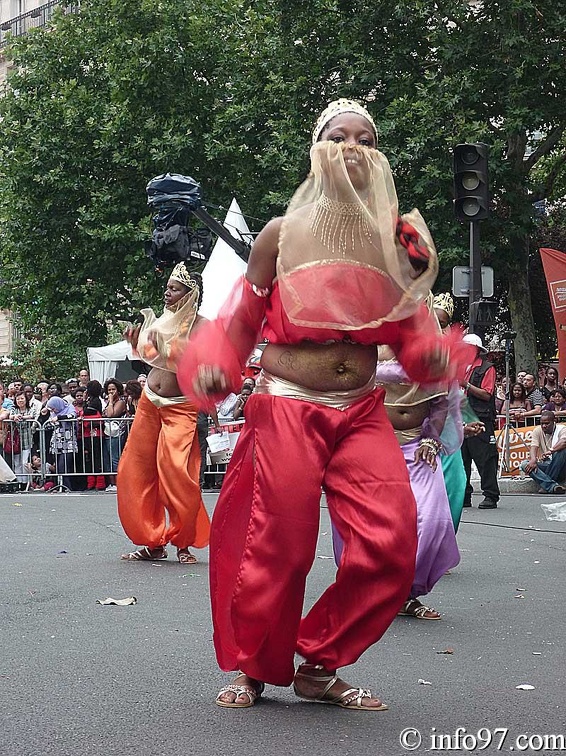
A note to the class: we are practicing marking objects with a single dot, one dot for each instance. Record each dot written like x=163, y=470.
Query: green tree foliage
x=95, y=106
x=45, y=354
x=228, y=93
x=438, y=74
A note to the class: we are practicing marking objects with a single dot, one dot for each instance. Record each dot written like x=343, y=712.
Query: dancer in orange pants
x=159, y=498
x=159, y=476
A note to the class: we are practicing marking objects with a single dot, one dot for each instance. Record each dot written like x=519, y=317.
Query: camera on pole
x=471, y=186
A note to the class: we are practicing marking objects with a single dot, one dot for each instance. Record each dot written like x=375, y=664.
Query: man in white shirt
x=547, y=456
x=35, y=404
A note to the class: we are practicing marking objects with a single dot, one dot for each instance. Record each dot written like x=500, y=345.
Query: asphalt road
x=80, y=678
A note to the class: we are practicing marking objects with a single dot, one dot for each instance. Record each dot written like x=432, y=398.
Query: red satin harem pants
x=265, y=530
x=159, y=498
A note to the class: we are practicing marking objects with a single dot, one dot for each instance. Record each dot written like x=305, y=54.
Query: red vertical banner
x=554, y=264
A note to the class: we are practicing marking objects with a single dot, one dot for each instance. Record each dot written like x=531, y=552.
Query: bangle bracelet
x=436, y=446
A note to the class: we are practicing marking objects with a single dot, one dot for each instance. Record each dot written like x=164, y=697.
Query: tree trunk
x=520, y=309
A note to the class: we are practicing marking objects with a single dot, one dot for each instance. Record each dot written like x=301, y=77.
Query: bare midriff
x=405, y=418
x=338, y=366
x=163, y=382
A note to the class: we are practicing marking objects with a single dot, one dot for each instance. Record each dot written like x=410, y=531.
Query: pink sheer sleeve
x=419, y=337
x=225, y=343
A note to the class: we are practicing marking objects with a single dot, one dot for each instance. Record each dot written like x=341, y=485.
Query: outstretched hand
x=209, y=380
x=132, y=334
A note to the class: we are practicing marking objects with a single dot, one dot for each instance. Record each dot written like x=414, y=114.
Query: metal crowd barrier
x=216, y=464
x=75, y=454
x=78, y=454
x=527, y=422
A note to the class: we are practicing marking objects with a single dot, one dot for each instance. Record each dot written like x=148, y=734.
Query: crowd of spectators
x=530, y=395
x=68, y=434
x=85, y=424
x=539, y=402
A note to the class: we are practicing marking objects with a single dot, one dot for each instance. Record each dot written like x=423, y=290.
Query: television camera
x=175, y=198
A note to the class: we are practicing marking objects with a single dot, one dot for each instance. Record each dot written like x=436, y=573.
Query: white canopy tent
x=104, y=361
x=221, y=272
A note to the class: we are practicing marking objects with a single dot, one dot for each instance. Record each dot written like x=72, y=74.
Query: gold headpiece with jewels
x=181, y=274
x=337, y=108
x=444, y=302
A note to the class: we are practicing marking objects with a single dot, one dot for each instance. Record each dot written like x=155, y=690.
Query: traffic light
x=483, y=313
x=471, y=189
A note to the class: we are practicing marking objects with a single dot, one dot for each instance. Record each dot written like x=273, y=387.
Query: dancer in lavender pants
x=418, y=417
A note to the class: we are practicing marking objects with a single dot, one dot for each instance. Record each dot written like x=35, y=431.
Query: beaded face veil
x=340, y=263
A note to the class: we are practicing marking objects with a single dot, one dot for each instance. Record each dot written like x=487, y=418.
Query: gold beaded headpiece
x=181, y=274
x=444, y=302
x=337, y=108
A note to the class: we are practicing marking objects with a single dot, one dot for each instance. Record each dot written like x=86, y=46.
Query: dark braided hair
x=197, y=278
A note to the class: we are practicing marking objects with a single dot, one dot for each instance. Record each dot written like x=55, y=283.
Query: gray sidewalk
x=80, y=678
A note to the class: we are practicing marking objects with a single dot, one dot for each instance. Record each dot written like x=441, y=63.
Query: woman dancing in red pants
x=340, y=273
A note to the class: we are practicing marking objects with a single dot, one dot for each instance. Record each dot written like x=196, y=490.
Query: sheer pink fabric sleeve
x=225, y=343
x=419, y=338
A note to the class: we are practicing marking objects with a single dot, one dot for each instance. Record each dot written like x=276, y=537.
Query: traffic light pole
x=475, y=293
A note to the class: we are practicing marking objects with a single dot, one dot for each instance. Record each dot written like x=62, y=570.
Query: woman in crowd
x=133, y=391
x=92, y=436
x=63, y=444
x=338, y=275
x=551, y=382
x=78, y=404
x=557, y=403
x=55, y=389
x=518, y=403
x=246, y=391
x=114, y=431
x=22, y=428
x=159, y=497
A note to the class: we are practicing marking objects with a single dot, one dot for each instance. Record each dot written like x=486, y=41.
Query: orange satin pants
x=265, y=531
x=159, y=498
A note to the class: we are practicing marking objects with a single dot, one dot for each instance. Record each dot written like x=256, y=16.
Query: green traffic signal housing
x=471, y=186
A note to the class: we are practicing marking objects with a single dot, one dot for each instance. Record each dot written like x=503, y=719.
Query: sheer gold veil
x=171, y=329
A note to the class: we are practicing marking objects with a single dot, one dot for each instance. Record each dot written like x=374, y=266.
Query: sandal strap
x=143, y=554
x=416, y=608
x=422, y=610
x=330, y=684
x=240, y=690
x=352, y=694
x=331, y=679
x=325, y=678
